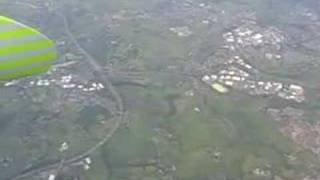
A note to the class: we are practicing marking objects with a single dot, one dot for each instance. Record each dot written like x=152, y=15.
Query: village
x=235, y=76
x=240, y=75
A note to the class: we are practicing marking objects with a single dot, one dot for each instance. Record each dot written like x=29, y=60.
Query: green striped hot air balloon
x=24, y=51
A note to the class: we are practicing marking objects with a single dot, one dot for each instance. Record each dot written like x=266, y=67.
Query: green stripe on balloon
x=20, y=48
x=27, y=61
x=17, y=33
x=27, y=72
x=6, y=20
x=13, y=57
x=22, y=40
x=24, y=68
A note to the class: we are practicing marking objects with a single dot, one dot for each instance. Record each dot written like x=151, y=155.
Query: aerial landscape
x=167, y=90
